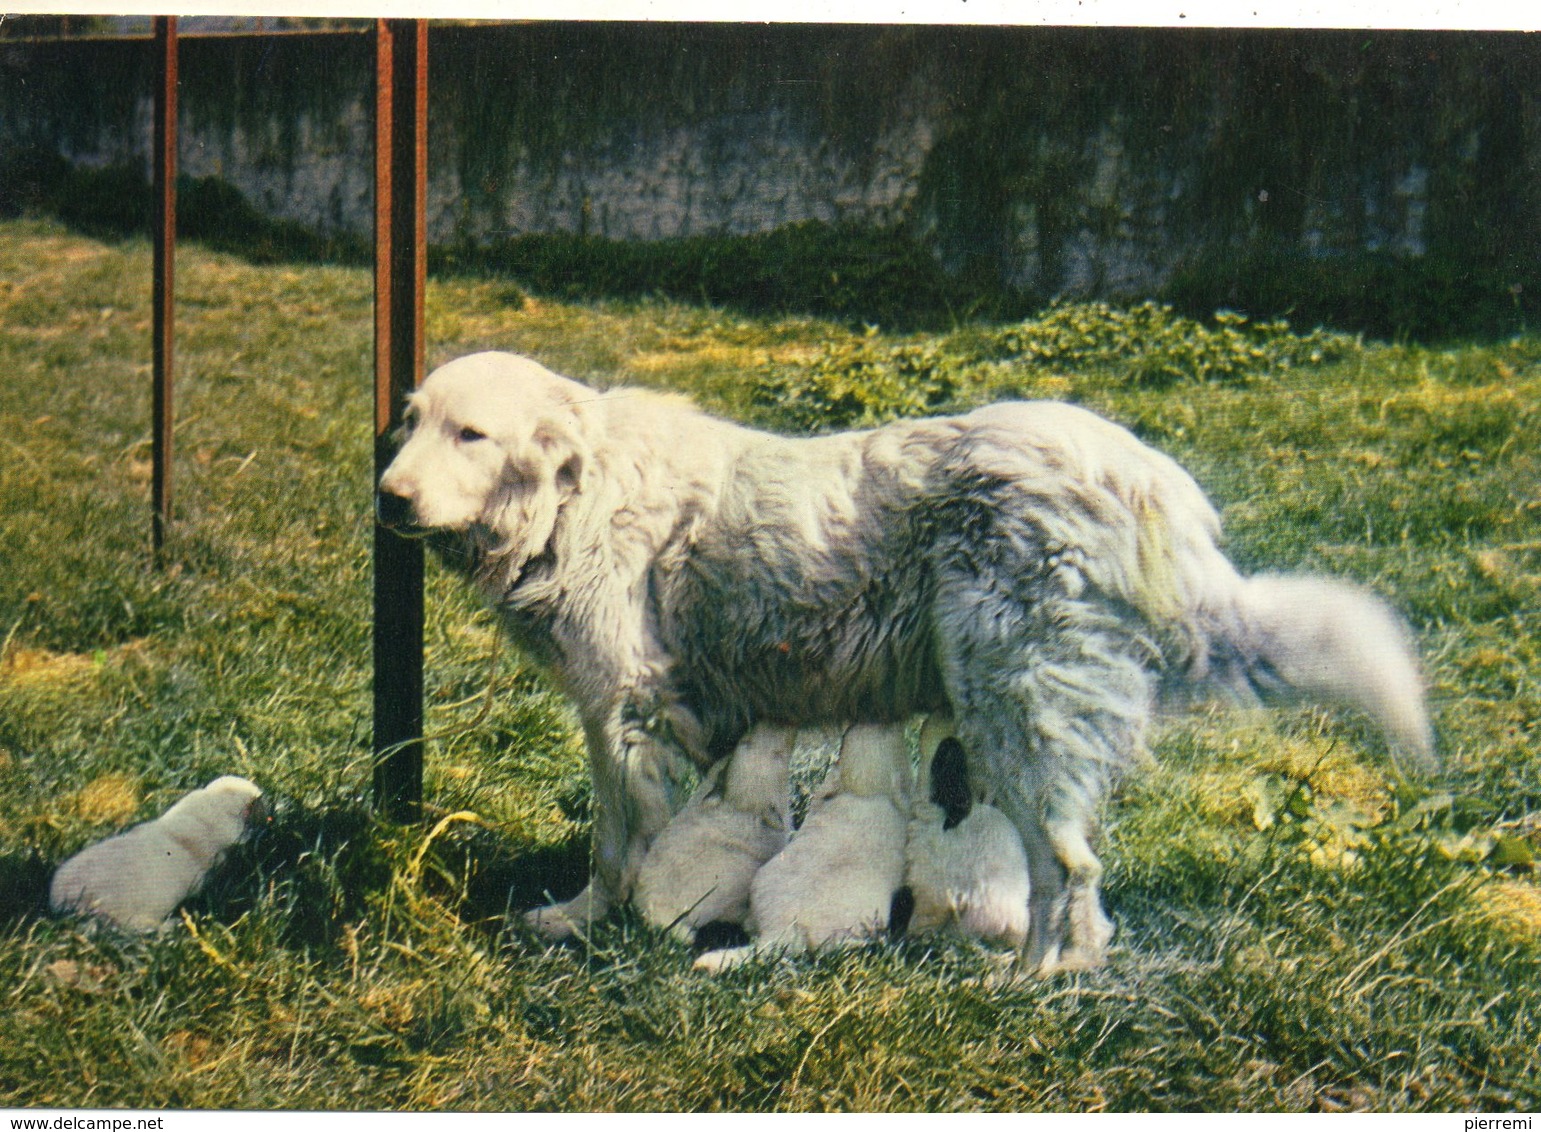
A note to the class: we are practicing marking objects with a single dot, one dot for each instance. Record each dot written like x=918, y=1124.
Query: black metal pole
x=401, y=161
x=163, y=283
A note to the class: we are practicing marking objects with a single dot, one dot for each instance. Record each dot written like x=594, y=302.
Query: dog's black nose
x=393, y=510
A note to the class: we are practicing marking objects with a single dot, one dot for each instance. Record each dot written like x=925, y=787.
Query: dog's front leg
x=568, y=918
x=636, y=772
x=634, y=776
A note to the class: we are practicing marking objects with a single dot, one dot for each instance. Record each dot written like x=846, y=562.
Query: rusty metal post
x=401, y=168
x=163, y=284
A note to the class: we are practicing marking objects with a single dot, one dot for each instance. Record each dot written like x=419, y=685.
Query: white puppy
x=965, y=865
x=699, y=869
x=835, y=881
x=136, y=879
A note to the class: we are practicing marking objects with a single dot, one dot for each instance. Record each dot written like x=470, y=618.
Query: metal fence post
x=163, y=282
x=401, y=161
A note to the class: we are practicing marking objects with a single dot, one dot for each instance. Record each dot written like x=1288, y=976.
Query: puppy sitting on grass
x=699, y=869
x=966, y=869
x=137, y=879
x=835, y=881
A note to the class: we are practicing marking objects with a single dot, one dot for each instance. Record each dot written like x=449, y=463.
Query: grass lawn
x=1296, y=930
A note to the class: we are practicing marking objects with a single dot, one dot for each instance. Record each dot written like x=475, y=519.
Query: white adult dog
x=1022, y=567
x=137, y=879
x=699, y=869
x=834, y=883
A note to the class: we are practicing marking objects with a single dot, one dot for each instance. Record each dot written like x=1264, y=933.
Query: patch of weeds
x=116, y=201
x=866, y=380
x=1432, y=298
x=1338, y=832
x=861, y=382
x=1150, y=344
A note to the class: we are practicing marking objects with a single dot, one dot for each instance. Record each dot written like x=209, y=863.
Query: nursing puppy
x=1026, y=568
x=835, y=881
x=135, y=880
x=699, y=869
x=965, y=867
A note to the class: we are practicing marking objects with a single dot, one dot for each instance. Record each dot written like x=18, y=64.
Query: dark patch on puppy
x=720, y=934
x=949, y=782
x=900, y=910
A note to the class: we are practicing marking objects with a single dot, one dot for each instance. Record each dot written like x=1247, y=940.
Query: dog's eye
x=469, y=434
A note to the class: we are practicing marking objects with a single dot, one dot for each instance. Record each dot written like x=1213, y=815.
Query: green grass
x=1295, y=931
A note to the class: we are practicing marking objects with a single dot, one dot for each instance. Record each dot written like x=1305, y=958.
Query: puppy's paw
x=723, y=959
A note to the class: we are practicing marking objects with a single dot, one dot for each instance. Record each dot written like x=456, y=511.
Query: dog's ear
x=565, y=456
x=569, y=474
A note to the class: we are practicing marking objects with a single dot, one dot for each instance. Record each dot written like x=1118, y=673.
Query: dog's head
x=491, y=450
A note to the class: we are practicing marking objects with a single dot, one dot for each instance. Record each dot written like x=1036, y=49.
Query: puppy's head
x=211, y=820
x=491, y=450
x=874, y=762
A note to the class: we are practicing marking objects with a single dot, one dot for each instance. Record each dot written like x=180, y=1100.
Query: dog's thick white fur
x=699, y=869
x=964, y=862
x=835, y=881
x=137, y=879
x=1023, y=567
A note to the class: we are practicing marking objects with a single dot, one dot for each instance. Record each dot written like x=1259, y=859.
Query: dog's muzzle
x=395, y=513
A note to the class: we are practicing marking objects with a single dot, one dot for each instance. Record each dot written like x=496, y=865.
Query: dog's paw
x=1081, y=952
x=1069, y=960
x=552, y=922
x=568, y=918
x=1088, y=933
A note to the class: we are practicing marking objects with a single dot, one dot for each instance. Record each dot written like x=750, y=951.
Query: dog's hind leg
x=1088, y=931
x=1050, y=696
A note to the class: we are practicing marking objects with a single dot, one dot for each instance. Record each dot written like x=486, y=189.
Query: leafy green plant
x=1150, y=344
x=1415, y=824
x=864, y=380
x=858, y=382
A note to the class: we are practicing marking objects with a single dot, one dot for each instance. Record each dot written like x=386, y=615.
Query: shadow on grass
x=23, y=886
x=498, y=880
x=317, y=870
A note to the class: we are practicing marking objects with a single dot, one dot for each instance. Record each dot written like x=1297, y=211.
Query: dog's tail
x=1132, y=523
x=1279, y=637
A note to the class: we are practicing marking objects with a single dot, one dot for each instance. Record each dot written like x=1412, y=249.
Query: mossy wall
x=1202, y=165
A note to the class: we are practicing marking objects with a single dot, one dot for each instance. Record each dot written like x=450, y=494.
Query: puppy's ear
x=257, y=813
x=949, y=782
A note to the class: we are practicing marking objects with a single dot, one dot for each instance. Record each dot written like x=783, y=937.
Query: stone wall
x=1091, y=162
